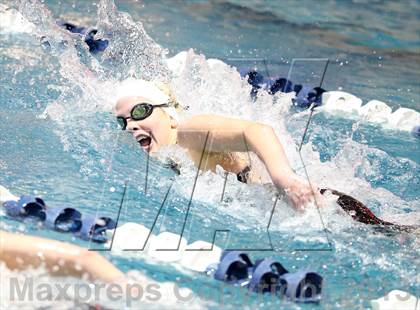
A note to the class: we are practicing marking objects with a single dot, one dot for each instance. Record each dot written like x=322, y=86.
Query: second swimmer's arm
x=59, y=258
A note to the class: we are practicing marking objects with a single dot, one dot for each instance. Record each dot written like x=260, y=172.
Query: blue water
x=76, y=155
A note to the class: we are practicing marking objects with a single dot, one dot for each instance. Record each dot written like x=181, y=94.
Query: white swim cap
x=132, y=87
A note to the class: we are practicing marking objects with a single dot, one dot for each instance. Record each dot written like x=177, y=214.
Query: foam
x=177, y=63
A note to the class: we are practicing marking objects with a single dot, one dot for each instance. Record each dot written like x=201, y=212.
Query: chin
x=152, y=148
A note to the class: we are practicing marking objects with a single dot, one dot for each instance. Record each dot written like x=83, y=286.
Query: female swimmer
x=143, y=109
x=148, y=113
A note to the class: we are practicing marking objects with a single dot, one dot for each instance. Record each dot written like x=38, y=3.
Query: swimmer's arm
x=228, y=134
x=59, y=258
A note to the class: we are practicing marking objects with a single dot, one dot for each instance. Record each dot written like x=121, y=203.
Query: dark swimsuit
x=243, y=176
x=173, y=166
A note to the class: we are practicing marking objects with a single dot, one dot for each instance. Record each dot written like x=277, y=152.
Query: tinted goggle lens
x=122, y=122
x=138, y=113
x=141, y=111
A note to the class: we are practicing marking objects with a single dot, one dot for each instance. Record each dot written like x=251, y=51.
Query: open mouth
x=145, y=141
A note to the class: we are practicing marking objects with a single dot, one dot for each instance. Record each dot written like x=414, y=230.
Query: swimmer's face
x=152, y=132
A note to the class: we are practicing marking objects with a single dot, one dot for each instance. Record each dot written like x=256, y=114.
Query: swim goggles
x=139, y=112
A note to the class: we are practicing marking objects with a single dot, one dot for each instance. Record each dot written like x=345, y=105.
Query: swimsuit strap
x=174, y=166
x=243, y=176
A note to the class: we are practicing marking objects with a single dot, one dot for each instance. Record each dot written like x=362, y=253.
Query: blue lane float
x=94, y=228
x=234, y=268
x=305, y=95
x=63, y=219
x=231, y=267
x=416, y=131
x=266, y=276
x=96, y=45
x=302, y=286
x=26, y=206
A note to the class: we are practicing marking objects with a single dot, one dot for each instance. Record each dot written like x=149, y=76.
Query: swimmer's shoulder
x=213, y=122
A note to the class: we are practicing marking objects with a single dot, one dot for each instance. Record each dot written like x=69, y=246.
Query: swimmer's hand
x=300, y=193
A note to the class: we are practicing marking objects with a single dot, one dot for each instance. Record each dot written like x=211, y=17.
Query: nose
x=132, y=125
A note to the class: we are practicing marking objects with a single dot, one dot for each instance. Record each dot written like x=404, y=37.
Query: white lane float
x=199, y=255
x=404, y=119
x=341, y=101
x=165, y=247
x=128, y=237
x=6, y=195
x=12, y=21
x=396, y=300
x=374, y=111
x=177, y=63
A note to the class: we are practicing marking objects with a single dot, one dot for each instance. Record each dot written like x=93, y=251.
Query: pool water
x=59, y=139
